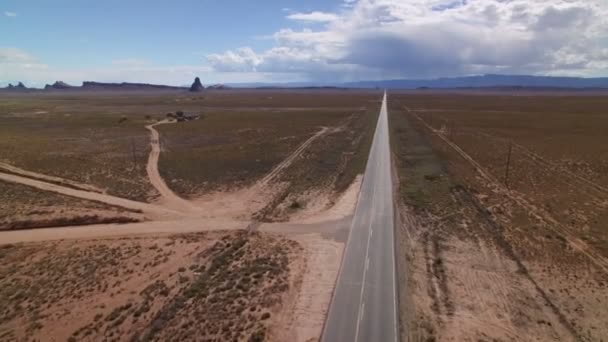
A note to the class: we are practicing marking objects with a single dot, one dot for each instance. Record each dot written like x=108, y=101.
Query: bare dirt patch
x=310, y=306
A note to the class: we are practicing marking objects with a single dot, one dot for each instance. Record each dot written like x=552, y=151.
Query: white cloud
x=375, y=39
x=10, y=55
x=316, y=16
x=243, y=59
x=430, y=38
x=10, y=14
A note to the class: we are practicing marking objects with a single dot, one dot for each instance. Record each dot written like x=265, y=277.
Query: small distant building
x=180, y=116
x=187, y=117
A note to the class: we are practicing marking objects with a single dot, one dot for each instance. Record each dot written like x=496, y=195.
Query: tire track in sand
x=289, y=160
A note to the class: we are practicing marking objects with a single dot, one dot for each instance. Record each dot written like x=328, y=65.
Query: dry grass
x=233, y=146
x=186, y=287
x=328, y=166
x=234, y=294
x=100, y=139
x=534, y=253
x=559, y=155
x=78, y=138
x=23, y=207
x=234, y=149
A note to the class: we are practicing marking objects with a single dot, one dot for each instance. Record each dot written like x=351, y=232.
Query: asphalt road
x=364, y=305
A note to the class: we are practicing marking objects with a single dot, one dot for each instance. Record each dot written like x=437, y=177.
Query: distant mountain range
x=483, y=81
x=470, y=82
x=490, y=81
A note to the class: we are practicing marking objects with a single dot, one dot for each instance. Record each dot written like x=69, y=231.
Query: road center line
x=369, y=239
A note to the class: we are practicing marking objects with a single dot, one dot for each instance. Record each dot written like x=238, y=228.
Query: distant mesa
x=19, y=86
x=197, y=85
x=88, y=85
x=58, y=85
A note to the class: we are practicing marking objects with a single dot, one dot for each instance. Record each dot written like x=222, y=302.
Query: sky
x=227, y=41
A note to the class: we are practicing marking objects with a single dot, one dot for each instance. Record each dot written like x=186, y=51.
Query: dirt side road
x=168, y=197
x=52, y=179
x=110, y=230
x=150, y=210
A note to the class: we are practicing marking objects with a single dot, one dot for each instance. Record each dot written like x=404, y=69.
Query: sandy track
x=169, y=198
x=289, y=160
x=52, y=179
x=150, y=211
x=155, y=228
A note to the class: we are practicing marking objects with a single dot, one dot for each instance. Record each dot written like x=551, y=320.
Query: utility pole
x=508, y=164
x=452, y=130
x=133, y=154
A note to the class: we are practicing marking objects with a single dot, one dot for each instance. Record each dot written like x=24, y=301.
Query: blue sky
x=88, y=33
x=331, y=40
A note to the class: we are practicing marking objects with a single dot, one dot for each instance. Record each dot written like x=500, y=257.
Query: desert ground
x=490, y=254
x=122, y=220
x=227, y=225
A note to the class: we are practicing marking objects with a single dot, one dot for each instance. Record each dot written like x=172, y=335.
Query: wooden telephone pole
x=133, y=153
x=508, y=164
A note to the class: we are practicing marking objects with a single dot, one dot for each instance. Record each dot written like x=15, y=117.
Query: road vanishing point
x=364, y=304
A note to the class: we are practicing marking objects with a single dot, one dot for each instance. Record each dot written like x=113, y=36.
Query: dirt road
x=151, y=211
x=51, y=179
x=168, y=197
x=156, y=228
x=289, y=160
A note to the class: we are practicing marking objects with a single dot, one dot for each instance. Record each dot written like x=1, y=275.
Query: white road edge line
x=394, y=227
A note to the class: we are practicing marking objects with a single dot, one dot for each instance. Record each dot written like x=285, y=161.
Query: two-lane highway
x=364, y=305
